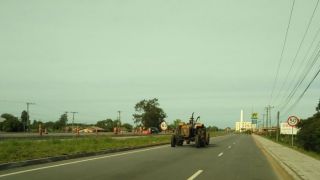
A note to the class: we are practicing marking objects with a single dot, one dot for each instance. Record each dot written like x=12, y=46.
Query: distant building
x=242, y=126
x=92, y=130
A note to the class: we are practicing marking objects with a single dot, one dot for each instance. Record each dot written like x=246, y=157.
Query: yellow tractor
x=190, y=132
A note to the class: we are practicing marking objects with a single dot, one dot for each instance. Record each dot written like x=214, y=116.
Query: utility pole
x=270, y=117
x=267, y=117
x=268, y=109
x=270, y=121
x=263, y=116
x=73, y=120
x=119, y=117
x=28, y=104
x=278, y=117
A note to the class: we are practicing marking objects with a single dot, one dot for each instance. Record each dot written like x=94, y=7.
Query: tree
x=49, y=125
x=107, y=125
x=318, y=107
x=213, y=128
x=309, y=134
x=62, y=122
x=149, y=114
x=128, y=126
x=176, y=122
x=24, y=120
x=35, y=124
x=11, y=124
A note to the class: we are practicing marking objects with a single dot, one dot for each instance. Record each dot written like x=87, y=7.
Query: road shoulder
x=296, y=164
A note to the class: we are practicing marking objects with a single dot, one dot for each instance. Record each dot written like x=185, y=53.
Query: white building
x=242, y=126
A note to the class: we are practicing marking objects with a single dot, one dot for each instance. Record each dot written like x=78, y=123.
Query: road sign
x=285, y=128
x=293, y=121
x=163, y=126
x=254, y=116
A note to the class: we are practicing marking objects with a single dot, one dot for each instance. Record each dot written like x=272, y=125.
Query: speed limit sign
x=293, y=121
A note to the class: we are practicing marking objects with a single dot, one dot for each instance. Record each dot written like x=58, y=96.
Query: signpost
x=292, y=121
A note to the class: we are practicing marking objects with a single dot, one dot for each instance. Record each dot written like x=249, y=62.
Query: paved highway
x=227, y=157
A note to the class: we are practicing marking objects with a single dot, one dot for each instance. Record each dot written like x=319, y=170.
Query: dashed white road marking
x=229, y=147
x=220, y=154
x=80, y=161
x=195, y=175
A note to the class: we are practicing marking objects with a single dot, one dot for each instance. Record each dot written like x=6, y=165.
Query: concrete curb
x=11, y=165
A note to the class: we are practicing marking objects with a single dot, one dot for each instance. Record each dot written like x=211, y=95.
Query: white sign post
x=292, y=121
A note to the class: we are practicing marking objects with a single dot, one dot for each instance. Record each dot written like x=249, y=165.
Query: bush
x=12, y=125
x=309, y=135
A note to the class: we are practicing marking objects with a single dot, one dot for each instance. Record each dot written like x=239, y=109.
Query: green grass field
x=18, y=150
x=14, y=150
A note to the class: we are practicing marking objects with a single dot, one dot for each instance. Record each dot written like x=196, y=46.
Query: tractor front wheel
x=208, y=139
x=198, y=141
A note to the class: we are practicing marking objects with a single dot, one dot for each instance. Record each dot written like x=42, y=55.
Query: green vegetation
x=11, y=124
x=149, y=114
x=286, y=141
x=18, y=150
x=308, y=136
x=24, y=120
x=107, y=124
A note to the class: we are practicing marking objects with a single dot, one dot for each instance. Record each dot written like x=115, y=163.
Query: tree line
x=148, y=113
x=308, y=136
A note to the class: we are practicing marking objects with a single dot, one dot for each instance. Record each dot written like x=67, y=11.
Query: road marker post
x=292, y=121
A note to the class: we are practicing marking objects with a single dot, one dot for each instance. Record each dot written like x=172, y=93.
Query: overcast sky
x=212, y=57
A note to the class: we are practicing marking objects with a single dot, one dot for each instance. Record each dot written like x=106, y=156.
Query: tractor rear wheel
x=173, y=141
x=180, y=142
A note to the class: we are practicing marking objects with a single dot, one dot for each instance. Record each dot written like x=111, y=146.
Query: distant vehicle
x=153, y=130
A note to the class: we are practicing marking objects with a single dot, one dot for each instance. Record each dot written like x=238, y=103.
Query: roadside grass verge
x=19, y=150
x=287, y=143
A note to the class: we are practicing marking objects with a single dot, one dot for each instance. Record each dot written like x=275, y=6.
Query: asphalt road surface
x=227, y=157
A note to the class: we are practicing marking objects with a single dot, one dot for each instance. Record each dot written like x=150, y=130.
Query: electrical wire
x=299, y=48
x=303, y=76
x=305, y=90
x=282, y=51
x=300, y=70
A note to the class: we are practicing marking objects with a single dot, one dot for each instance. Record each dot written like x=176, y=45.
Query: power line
x=303, y=76
x=299, y=48
x=300, y=70
x=305, y=90
x=282, y=51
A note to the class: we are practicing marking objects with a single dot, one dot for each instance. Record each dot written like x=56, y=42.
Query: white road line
x=80, y=161
x=229, y=147
x=195, y=175
x=220, y=154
